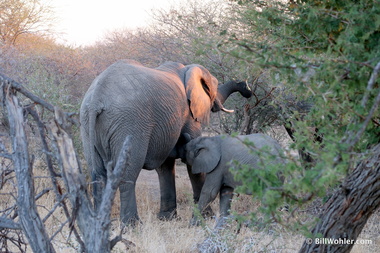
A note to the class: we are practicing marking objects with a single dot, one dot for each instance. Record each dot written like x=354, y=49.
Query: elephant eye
x=196, y=152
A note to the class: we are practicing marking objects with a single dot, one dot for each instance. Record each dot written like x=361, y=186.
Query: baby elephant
x=212, y=155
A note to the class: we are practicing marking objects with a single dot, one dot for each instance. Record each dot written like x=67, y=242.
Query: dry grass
x=175, y=236
x=154, y=235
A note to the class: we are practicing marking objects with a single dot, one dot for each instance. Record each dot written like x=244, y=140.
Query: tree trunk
x=30, y=220
x=348, y=210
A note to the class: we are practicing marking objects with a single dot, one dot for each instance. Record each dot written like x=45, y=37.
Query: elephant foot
x=208, y=212
x=195, y=222
x=132, y=221
x=167, y=215
x=198, y=220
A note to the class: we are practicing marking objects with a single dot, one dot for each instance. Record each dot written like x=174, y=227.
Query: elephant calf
x=212, y=155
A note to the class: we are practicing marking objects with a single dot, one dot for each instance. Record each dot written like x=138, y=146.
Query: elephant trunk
x=226, y=89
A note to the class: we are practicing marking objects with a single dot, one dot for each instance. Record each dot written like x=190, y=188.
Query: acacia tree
x=18, y=17
x=326, y=52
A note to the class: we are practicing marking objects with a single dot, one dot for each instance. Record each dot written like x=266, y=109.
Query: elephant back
x=247, y=149
x=130, y=99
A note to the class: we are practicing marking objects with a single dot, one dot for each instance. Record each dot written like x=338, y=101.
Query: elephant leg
x=166, y=176
x=197, y=181
x=209, y=192
x=225, y=195
x=128, y=205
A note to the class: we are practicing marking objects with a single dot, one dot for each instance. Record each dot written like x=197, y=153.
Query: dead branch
x=12, y=237
x=9, y=224
x=20, y=88
x=358, y=135
x=371, y=83
x=94, y=225
x=30, y=221
x=259, y=100
x=56, y=187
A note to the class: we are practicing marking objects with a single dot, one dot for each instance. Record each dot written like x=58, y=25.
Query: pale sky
x=83, y=22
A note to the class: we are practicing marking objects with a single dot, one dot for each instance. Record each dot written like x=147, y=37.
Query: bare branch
x=20, y=88
x=59, y=230
x=27, y=210
x=371, y=83
x=94, y=225
x=57, y=204
x=356, y=137
x=22, y=17
x=9, y=224
x=367, y=120
x=56, y=186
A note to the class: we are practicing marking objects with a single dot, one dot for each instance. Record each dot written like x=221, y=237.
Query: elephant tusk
x=227, y=110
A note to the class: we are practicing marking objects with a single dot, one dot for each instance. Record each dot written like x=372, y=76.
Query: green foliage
x=263, y=180
x=323, y=52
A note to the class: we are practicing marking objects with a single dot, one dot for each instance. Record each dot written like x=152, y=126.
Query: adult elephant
x=159, y=108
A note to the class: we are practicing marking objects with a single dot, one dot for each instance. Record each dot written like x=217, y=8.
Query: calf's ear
x=205, y=160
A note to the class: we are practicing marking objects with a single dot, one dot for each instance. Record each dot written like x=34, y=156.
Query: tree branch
x=9, y=224
x=356, y=137
x=371, y=83
x=93, y=224
x=20, y=88
x=29, y=218
x=57, y=189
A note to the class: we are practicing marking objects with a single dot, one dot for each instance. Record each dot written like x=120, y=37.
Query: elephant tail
x=91, y=133
x=93, y=114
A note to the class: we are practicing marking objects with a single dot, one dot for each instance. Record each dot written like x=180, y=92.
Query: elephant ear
x=201, y=89
x=206, y=157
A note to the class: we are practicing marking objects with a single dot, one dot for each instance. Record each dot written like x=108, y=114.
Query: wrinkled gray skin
x=213, y=155
x=157, y=108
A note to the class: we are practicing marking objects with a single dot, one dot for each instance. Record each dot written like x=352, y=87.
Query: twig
x=57, y=204
x=258, y=101
x=41, y=129
x=371, y=83
x=9, y=224
x=351, y=139
x=43, y=192
x=59, y=230
x=128, y=244
x=6, y=155
x=366, y=122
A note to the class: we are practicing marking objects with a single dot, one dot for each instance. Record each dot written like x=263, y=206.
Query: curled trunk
x=226, y=89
